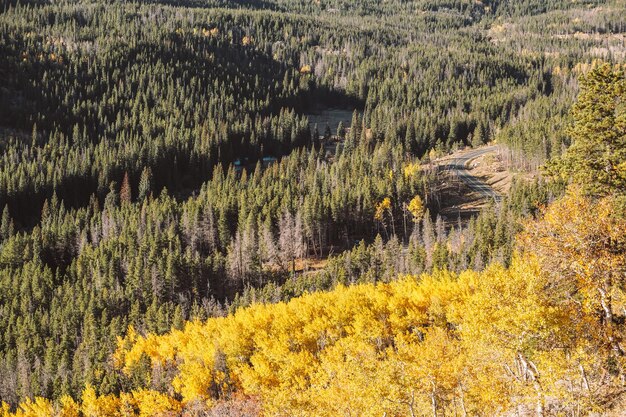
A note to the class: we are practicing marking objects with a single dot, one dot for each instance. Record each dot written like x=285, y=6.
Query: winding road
x=458, y=166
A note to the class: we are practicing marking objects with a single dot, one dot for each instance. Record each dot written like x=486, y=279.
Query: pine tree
x=34, y=136
x=478, y=137
x=597, y=158
x=327, y=132
x=145, y=184
x=111, y=199
x=6, y=225
x=125, y=191
x=341, y=130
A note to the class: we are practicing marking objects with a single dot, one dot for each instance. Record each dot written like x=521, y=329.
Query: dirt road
x=458, y=166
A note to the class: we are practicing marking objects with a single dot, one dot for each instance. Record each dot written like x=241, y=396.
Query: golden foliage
x=40, y=407
x=104, y=406
x=580, y=245
x=151, y=403
x=335, y=353
x=381, y=207
x=411, y=346
x=412, y=169
x=416, y=208
x=544, y=333
x=68, y=407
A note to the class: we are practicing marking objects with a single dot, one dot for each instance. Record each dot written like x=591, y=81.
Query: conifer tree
x=125, y=191
x=597, y=158
x=145, y=183
x=6, y=224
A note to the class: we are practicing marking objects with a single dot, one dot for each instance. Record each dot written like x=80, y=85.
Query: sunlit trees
x=89, y=122
x=416, y=208
x=596, y=159
x=534, y=339
x=290, y=240
x=580, y=246
x=544, y=334
x=382, y=211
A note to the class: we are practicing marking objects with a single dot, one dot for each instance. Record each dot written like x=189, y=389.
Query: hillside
x=527, y=338
x=169, y=168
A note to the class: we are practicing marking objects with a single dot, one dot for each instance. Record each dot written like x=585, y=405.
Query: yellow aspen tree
x=416, y=208
x=579, y=244
x=153, y=403
x=40, y=407
x=68, y=407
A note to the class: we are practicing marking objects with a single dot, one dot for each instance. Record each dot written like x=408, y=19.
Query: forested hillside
x=410, y=347
x=176, y=236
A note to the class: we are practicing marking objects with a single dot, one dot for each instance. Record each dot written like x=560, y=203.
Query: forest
x=177, y=237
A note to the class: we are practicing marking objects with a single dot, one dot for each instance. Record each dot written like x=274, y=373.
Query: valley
x=331, y=208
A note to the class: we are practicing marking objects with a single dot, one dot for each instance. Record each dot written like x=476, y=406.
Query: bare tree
x=208, y=230
x=428, y=237
x=242, y=259
x=268, y=252
x=291, y=239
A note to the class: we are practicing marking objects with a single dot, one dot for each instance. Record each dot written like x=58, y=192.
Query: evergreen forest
x=312, y=208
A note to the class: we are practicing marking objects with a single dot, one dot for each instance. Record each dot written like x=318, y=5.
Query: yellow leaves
x=152, y=403
x=439, y=344
x=129, y=350
x=94, y=406
x=89, y=402
x=140, y=403
x=411, y=169
x=247, y=40
x=5, y=409
x=305, y=69
x=68, y=407
x=431, y=361
x=416, y=208
x=40, y=57
x=194, y=380
x=207, y=32
x=38, y=408
x=349, y=370
x=272, y=350
x=200, y=32
x=577, y=244
x=198, y=372
x=381, y=207
x=321, y=354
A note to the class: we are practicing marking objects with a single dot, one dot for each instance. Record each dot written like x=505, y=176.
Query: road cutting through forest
x=458, y=166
